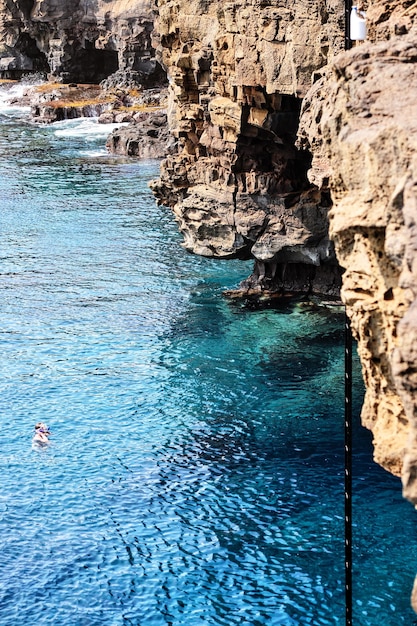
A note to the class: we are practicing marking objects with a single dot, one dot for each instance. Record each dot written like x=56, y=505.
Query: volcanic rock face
x=78, y=40
x=388, y=18
x=238, y=185
x=360, y=123
x=146, y=136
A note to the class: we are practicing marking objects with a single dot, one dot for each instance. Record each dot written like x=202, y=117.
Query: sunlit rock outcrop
x=360, y=123
x=238, y=186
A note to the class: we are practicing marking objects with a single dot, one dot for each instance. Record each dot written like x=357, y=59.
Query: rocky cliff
x=79, y=41
x=243, y=184
x=279, y=169
x=360, y=124
x=238, y=185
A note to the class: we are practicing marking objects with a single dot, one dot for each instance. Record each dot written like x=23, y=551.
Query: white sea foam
x=93, y=153
x=87, y=127
x=9, y=93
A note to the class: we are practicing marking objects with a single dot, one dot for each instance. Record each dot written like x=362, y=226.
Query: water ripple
x=195, y=474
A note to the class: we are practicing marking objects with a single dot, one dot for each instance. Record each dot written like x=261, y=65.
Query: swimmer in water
x=41, y=433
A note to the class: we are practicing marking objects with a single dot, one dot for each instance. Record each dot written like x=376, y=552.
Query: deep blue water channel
x=195, y=474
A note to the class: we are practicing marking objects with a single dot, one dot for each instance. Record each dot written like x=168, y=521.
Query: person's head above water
x=41, y=433
x=41, y=427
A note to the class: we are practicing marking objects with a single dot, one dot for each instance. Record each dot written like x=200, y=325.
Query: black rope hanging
x=348, y=471
x=348, y=8
x=348, y=417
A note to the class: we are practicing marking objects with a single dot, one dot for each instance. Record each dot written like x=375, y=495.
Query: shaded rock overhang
x=80, y=41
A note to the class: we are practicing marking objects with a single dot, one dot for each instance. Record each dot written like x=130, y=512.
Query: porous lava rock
x=360, y=124
x=238, y=185
x=83, y=41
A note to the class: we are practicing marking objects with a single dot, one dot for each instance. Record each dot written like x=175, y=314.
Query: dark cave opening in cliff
x=89, y=65
x=270, y=164
x=27, y=46
x=26, y=7
x=285, y=120
x=267, y=144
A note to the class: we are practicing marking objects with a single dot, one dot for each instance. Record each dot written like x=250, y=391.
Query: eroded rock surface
x=360, y=123
x=238, y=185
x=146, y=136
x=79, y=41
x=388, y=18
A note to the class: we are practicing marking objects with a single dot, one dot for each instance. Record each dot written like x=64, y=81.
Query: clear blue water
x=195, y=474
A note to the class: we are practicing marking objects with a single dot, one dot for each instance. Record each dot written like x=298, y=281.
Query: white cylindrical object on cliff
x=357, y=25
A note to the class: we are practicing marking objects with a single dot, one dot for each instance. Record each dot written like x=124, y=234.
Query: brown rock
x=79, y=40
x=387, y=19
x=146, y=137
x=106, y=118
x=238, y=185
x=364, y=144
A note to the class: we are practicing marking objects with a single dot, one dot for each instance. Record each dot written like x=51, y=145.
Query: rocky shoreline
x=144, y=133
x=141, y=113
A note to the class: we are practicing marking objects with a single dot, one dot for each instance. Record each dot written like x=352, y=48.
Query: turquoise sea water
x=195, y=474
